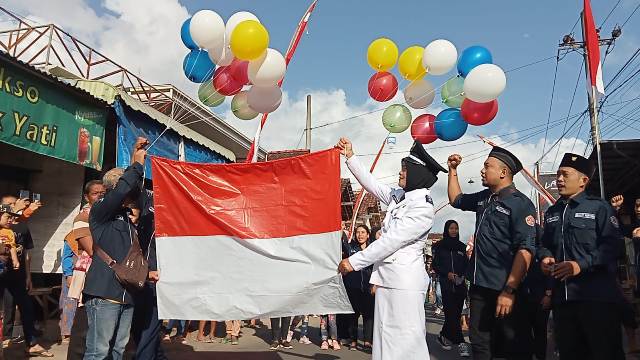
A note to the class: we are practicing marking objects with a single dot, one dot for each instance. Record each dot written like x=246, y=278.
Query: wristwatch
x=509, y=290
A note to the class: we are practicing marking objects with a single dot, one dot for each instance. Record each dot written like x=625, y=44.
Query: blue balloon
x=185, y=35
x=449, y=125
x=197, y=66
x=472, y=57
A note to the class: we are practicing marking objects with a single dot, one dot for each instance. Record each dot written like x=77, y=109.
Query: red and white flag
x=250, y=240
x=592, y=43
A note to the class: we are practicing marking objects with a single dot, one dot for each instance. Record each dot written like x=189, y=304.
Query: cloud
x=144, y=37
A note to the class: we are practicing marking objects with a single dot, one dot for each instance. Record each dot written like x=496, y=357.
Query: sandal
x=41, y=352
x=336, y=345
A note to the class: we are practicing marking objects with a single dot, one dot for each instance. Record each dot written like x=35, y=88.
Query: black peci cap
x=419, y=156
x=506, y=157
x=579, y=163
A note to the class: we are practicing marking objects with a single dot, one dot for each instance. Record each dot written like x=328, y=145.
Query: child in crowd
x=7, y=236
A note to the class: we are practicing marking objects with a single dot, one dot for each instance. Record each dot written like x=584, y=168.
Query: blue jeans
x=178, y=324
x=108, y=322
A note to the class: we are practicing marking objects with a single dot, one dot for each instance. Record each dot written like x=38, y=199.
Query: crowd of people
x=509, y=279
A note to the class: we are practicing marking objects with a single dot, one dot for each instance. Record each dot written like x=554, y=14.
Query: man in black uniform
x=581, y=244
x=503, y=248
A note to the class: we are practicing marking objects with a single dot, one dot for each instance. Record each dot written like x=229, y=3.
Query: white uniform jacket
x=398, y=254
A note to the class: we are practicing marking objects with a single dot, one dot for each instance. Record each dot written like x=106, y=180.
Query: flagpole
x=593, y=114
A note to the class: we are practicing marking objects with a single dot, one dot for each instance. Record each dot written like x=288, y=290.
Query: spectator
x=8, y=238
x=329, y=332
x=304, y=329
x=181, y=331
x=109, y=304
x=233, y=331
x=18, y=282
x=212, y=333
x=279, y=330
x=360, y=292
x=450, y=263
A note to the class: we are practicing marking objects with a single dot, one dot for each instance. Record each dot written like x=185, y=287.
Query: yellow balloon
x=382, y=54
x=249, y=40
x=410, y=63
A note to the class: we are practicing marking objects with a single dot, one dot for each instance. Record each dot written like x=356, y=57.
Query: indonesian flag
x=592, y=44
x=249, y=240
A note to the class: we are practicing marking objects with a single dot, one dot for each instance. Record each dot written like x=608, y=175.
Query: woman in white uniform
x=399, y=273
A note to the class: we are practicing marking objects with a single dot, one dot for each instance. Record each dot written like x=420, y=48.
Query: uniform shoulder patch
x=614, y=221
x=530, y=220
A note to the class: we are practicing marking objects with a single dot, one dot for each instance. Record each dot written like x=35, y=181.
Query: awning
x=108, y=93
x=621, y=169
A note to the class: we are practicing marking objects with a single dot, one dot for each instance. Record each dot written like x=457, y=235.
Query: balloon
x=439, y=57
x=207, y=29
x=484, y=83
x=396, y=118
x=382, y=54
x=268, y=69
x=208, y=94
x=249, y=40
x=225, y=83
x=449, y=125
x=410, y=63
x=240, y=107
x=423, y=129
x=452, y=92
x=478, y=113
x=197, y=66
x=419, y=94
x=472, y=57
x=236, y=19
x=383, y=86
x=239, y=71
x=264, y=99
x=221, y=55
x=185, y=35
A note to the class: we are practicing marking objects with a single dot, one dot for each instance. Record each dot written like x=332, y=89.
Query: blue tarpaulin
x=131, y=125
x=194, y=152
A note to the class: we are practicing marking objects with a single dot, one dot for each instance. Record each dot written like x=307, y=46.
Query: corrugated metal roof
x=108, y=93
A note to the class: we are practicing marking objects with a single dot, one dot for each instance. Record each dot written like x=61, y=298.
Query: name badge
x=586, y=216
x=552, y=219
x=503, y=210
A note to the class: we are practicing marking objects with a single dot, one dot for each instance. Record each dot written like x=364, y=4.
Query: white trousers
x=399, y=330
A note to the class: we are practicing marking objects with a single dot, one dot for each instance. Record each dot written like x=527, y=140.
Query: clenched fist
x=453, y=161
x=345, y=146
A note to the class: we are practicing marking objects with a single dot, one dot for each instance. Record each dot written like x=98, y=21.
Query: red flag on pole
x=252, y=156
x=592, y=46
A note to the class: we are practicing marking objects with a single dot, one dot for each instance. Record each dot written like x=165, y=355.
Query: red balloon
x=225, y=83
x=239, y=69
x=423, y=129
x=478, y=113
x=383, y=86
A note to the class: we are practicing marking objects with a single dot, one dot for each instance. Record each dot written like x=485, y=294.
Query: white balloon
x=221, y=55
x=268, y=69
x=236, y=19
x=419, y=94
x=264, y=99
x=484, y=83
x=439, y=57
x=207, y=29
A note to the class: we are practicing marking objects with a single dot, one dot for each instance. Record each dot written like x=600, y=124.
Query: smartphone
x=24, y=194
x=36, y=197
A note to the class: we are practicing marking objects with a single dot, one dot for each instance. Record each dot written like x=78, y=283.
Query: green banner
x=43, y=117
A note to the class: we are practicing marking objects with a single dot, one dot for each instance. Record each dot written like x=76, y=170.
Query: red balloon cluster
x=383, y=86
x=423, y=129
x=229, y=80
x=478, y=114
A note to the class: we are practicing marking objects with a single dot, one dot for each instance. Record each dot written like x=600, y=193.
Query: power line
x=575, y=89
x=553, y=90
x=610, y=12
x=634, y=11
x=531, y=64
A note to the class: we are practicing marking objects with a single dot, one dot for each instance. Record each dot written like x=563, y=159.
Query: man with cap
x=581, y=244
x=398, y=264
x=504, y=244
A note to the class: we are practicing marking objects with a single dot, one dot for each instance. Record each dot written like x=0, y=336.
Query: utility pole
x=568, y=45
x=308, y=128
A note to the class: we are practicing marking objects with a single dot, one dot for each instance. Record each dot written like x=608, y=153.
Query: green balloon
x=240, y=107
x=208, y=94
x=452, y=92
x=396, y=118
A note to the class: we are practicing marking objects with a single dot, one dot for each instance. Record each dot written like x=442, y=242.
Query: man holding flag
x=399, y=272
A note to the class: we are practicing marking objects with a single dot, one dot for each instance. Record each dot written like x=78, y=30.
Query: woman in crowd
x=212, y=333
x=450, y=263
x=360, y=292
x=181, y=331
x=329, y=332
x=304, y=329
